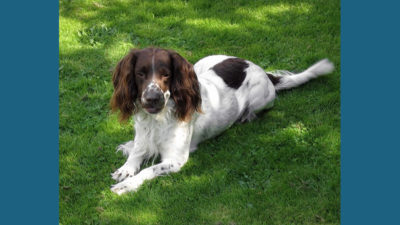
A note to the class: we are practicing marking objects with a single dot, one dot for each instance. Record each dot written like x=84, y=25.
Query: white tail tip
x=321, y=67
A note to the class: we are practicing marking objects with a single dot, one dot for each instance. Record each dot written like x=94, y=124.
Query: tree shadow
x=202, y=25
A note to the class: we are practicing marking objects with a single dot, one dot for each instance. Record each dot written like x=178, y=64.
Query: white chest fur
x=161, y=133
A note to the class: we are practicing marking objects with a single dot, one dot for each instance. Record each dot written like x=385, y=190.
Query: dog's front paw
x=128, y=185
x=124, y=172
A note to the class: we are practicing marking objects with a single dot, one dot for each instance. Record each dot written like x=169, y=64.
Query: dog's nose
x=153, y=97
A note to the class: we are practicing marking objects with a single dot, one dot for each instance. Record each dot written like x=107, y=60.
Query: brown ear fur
x=125, y=90
x=184, y=88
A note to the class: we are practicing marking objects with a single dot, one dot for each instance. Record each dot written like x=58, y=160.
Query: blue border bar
x=370, y=112
x=29, y=112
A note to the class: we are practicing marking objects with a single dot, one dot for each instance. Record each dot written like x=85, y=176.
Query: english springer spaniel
x=176, y=105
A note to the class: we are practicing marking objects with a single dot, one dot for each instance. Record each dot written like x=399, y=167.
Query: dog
x=177, y=105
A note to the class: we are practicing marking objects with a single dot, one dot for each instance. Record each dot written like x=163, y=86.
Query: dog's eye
x=140, y=74
x=165, y=74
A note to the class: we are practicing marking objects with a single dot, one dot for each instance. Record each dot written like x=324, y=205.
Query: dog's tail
x=285, y=80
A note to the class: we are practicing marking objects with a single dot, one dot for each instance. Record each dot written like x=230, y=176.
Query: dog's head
x=151, y=76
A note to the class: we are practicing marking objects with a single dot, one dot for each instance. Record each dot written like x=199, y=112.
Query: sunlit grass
x=212, y=24
x=262, y=13
x=283, y=168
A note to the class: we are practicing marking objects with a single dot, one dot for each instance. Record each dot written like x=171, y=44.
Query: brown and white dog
x=176, y=105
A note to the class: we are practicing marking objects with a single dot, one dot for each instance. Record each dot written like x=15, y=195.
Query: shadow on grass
x=202, y=25
x=272, y=170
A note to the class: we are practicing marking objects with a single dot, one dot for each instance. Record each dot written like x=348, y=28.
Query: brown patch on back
x=232, y=71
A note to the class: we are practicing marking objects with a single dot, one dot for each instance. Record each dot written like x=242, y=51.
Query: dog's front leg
x=132, y=164
x=174, y=155
x=133, y=183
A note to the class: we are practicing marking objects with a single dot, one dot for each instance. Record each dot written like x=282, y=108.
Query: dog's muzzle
x=153, y=100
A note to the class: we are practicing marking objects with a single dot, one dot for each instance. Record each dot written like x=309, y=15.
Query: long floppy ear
x=184, y=87
x=125, y=90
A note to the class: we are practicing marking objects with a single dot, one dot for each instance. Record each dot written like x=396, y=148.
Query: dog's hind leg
x=260, y=93
x=247, y=115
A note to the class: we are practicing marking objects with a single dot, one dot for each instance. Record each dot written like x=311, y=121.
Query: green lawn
x=282, y=168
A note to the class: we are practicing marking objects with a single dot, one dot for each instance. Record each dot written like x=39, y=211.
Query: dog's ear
x=184, y=87
x=125, y=89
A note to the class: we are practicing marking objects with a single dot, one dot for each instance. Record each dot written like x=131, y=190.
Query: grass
x=283, y=168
